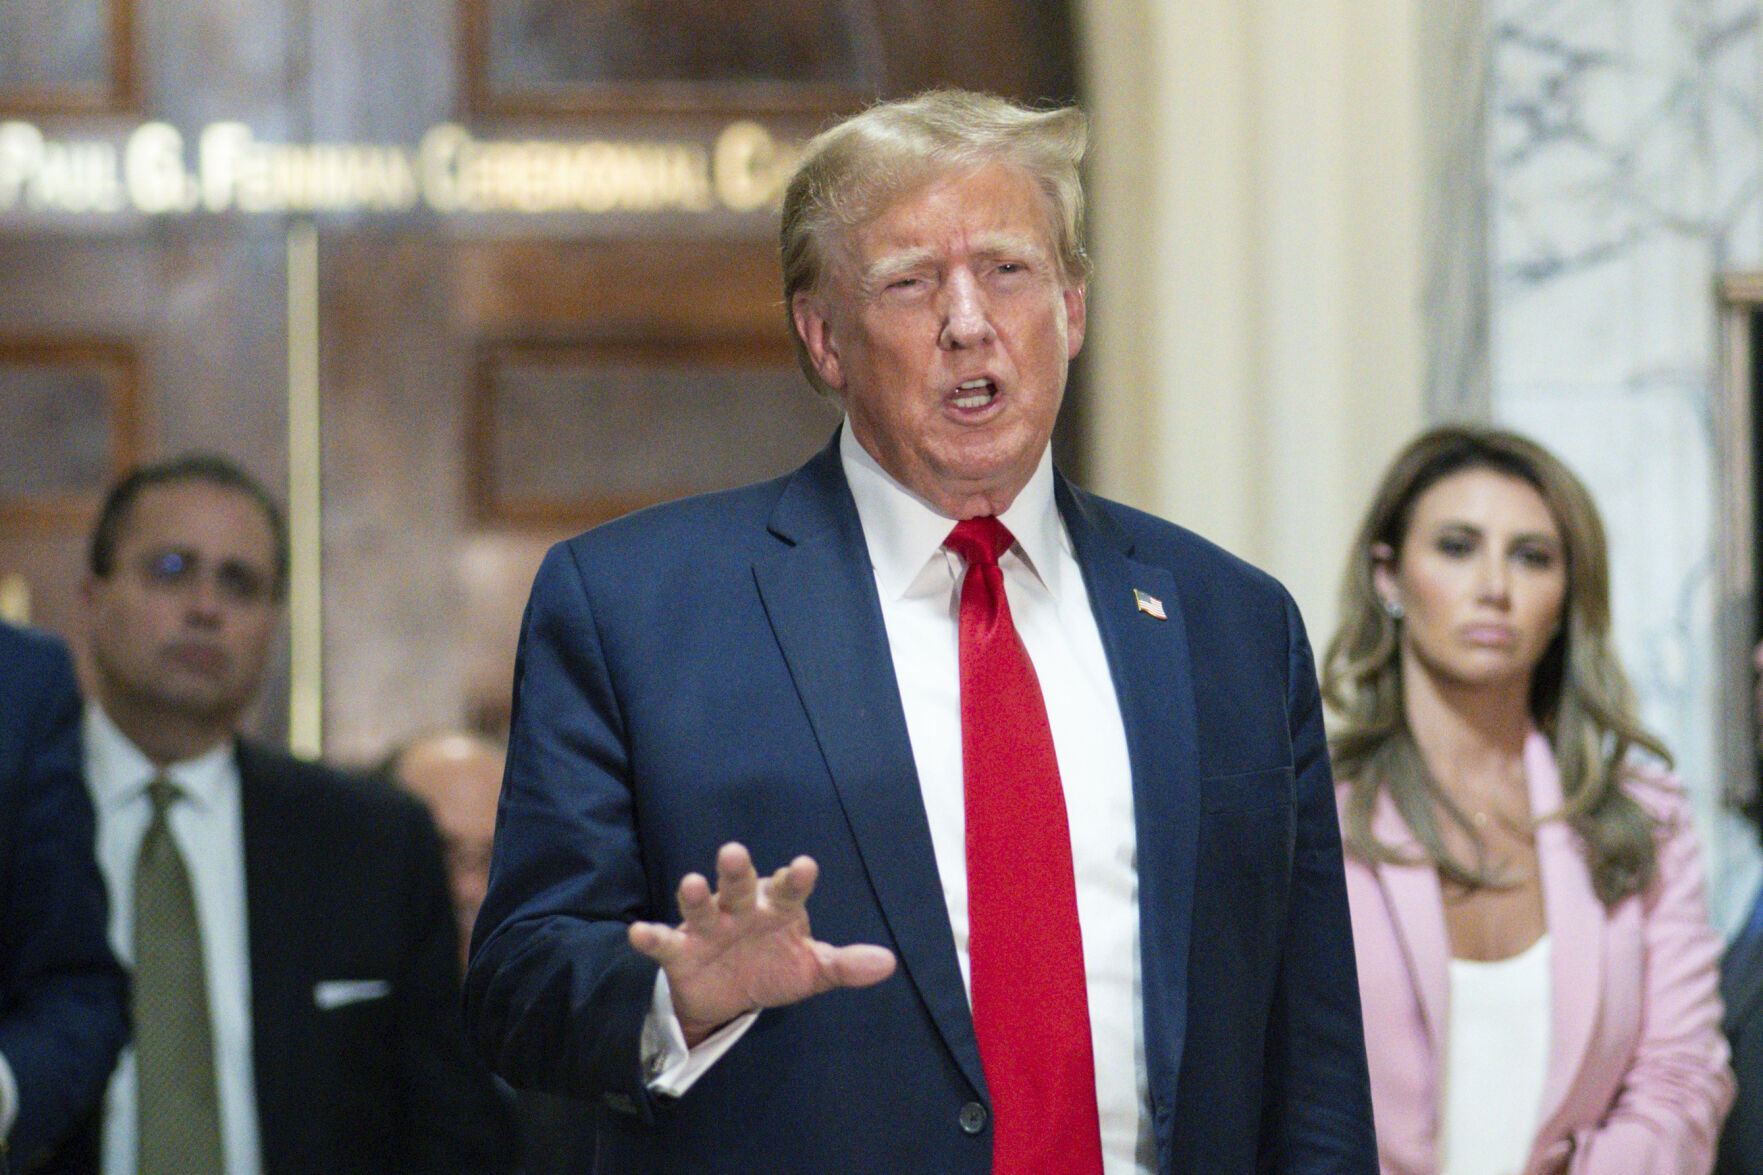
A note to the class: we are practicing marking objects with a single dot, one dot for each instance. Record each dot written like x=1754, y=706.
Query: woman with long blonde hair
x=1538, y=975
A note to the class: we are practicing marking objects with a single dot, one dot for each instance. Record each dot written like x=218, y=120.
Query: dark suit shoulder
x=1198, y=563
x=319, y=790
x=33, y=665
x=27, y=648
x=686, y=530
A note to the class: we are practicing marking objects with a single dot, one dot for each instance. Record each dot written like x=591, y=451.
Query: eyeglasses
x=235, y=581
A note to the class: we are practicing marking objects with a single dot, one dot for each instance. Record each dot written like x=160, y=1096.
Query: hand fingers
x=792, y=885
x=858, y=965
x=736, y=881
x=661, y=943
x=697, y=906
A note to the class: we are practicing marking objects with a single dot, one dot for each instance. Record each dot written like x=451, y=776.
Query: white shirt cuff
x=669, y=1067
x=8, y=1099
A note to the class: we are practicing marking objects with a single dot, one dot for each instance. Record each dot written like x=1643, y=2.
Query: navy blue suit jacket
x=63, y=996
x=717, y=669
x=1741, y=991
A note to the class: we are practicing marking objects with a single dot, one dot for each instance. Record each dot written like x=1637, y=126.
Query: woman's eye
x=1455, y=546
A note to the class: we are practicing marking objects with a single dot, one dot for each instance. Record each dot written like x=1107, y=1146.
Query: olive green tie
x=178, y=1115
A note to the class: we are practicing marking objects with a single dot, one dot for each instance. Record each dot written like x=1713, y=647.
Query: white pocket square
x=334, y=993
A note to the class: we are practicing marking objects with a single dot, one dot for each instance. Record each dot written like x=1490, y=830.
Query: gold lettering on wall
x=752, y=168
x=15, y=599
x=153, y=170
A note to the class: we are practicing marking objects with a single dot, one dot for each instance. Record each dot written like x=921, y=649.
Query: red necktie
x=1030, y=1005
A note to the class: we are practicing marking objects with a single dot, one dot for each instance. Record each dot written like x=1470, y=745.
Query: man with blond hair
x=1050, y=772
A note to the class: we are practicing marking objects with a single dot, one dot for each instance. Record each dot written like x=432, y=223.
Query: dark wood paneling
x=70, y=57
x=668, y=325
x=71, y=426
x=575, y=434
x=735, y=57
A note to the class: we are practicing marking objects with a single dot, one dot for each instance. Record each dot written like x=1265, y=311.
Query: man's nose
x=967, y=320
x=202, y=600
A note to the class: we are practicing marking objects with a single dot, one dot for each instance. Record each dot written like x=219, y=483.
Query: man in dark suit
x=1741, y=991
x=62, y=993
x=1052, y=770
x=294, y=950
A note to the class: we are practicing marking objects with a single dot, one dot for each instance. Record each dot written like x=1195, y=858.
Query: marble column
x=1625, y=175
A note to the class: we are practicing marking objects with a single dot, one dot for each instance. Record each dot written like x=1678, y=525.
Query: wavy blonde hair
x=1579, y=696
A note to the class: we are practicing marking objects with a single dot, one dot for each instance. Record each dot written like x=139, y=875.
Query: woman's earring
x=1393, y=608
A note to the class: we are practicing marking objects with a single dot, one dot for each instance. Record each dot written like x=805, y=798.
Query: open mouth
x=975, y=393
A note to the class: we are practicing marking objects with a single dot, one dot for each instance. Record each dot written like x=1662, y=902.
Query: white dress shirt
x=919, y=585
x=206, y=826
x=8, y=1099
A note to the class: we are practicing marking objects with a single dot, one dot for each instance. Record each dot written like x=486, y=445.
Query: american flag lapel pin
x=1148, y=604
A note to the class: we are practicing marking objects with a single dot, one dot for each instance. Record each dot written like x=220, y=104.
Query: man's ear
x=1076, y=317
x=816, y=334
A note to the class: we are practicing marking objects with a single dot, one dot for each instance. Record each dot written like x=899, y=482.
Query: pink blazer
x=1637, y=1082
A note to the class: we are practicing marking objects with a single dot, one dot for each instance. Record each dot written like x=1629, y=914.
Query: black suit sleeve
x=62, y=993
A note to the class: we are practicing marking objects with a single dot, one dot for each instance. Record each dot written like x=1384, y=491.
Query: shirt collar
x=903, y=533
x=120, y=771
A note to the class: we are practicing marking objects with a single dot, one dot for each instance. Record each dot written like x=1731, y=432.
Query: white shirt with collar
x=206, y=826
x=919, y=584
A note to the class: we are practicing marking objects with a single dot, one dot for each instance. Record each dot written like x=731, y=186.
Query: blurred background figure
x=62, y=993
x=458, y=773
x=1536, y=966
x=295, y=961
x=1741, y=987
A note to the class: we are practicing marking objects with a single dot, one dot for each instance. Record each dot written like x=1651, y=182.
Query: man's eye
x=242, y=584
x=168, y=567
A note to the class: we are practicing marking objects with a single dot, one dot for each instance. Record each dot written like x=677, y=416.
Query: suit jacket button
x=972, y=1118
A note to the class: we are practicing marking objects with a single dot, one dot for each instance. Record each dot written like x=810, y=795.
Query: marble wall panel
x=1626, y=173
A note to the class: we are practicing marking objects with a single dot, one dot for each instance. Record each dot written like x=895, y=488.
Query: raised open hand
x=747, y=945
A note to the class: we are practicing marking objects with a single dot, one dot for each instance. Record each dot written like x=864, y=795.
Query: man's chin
x=200, y=700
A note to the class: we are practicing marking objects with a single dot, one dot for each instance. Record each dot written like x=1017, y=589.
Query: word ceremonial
x=150, y=170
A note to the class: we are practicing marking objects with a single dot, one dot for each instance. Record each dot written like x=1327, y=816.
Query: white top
x=205, y=824
x=919, y=585
x=1496, y=1057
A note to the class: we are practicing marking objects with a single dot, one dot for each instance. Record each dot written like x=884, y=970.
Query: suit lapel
x=820, y=584
x=1575, y=919
x=1417, y=908
x=1150, y=663
x=273, y=875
